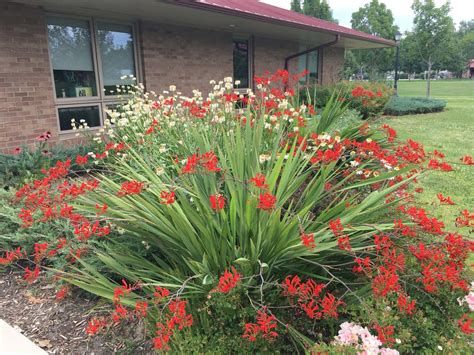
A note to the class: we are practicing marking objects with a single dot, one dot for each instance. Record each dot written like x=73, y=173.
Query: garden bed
x=58, y=326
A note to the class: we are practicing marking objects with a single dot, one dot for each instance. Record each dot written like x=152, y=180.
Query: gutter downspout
x=321, y=46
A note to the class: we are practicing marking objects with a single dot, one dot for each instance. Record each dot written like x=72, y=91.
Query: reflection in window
x=116, y=55
x=71, y=57
x=308, y=62
x=241, y=62
x=90, y=114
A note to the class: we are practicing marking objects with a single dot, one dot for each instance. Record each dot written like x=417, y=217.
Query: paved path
x=13, y=342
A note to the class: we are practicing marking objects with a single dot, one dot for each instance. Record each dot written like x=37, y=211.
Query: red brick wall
x=332, y=64
x=186, y=57
x=26, y=91
x=270, y=54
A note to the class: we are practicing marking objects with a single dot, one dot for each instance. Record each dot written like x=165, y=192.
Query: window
x=241, y=62
x=308, y=62
x=88, y=59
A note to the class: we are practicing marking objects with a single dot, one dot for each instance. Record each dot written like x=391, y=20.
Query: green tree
x=465, y=35
x=410, y=61
x=434, y=31
x=315, y=8
x=375, y=18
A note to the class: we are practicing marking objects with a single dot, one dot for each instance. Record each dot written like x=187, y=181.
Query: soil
x=58, y=327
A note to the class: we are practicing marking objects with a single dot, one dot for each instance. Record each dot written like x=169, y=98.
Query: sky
x=461, y=10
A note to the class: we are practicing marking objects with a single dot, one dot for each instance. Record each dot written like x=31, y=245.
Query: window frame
x=101, y=100
x=249, y=39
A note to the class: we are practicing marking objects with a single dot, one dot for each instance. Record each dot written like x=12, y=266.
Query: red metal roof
x=259, y=10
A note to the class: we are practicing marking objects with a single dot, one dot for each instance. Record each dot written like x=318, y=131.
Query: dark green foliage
x=25, y=166
x=399, y=106
x=316, y=8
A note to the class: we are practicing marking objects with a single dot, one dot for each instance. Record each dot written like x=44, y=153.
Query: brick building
x=61, y=59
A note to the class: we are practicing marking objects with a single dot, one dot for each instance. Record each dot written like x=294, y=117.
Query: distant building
x=469, y=71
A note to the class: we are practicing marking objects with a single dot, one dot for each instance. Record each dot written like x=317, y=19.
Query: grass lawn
x=450, y=132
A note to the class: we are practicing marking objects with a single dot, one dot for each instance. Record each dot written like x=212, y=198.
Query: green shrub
x=26, y=165
x=368, y=98
x=399, y=106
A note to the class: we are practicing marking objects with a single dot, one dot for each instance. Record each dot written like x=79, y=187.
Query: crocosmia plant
x=250, y=216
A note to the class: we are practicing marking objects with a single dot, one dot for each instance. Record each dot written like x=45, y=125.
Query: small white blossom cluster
x=469, y=298
x=359, y=337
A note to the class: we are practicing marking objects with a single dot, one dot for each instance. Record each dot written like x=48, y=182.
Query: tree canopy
x=375, y=18
x=316, y=8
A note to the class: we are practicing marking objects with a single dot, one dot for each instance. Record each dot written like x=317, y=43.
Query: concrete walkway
x=13, y=342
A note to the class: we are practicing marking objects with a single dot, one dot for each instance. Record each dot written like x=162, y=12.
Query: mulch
x=58, y=327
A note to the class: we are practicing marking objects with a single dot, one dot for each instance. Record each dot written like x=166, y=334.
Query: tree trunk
x=428, y=80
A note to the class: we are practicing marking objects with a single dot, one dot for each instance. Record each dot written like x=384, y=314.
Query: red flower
x=167, y=198
x=31, y=275
x=467, y=160
x=217, y=202
x=404, y=305
x=95, y=325
x=160, y=293
x=11, y=256
x=62, y=293
x=141, y=307
x=259, y=181
x=209, y=162
x=131, y=188
x=228, y=281
x=336, y=227
x=329, y=306
x=445, y=200
x=308, y=240
x=344, y=243
x=101, y=209
x=45, y=136
x=82, y=160
x=465, y=324
x=266, y=201
x=384, y=333
x=119, y=313
x=191, y=164
x=264, y=327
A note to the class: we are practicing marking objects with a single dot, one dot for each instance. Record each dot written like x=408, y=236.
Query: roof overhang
x=203, y=15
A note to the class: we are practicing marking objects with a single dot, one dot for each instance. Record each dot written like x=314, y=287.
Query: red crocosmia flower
x=266, y=201
x=265, y=326
x=217, y=202
x=11, y=256
x=209, y=161
x=329, y=305
x=465, y=159
x=445, y=200
x=336, y=227
x=384, y=334
x=82, y=160
x=17, y=150
x=404, y=305
x=191, y=164
x=131, y=188
x=465, y=324
x=228, y=281
x=141, y=307
x=101, y=209
x=119, y=313
x=121, y=291
x=62, y=293
x=308, y=240
x=95, y=325
x=40, y=251
x=160, y=293
x=30, y=276
x=167, y=198
x=259, y=181
x=465, y=219
x=344, y=243
x=363, y=266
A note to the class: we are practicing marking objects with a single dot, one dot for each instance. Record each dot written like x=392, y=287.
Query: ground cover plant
x=399, y=106
x=217, y=224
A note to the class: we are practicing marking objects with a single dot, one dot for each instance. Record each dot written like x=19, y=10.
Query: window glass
x=241, y=62
x=71, y=57
x=116, y=55
x=90, y=114
x=302, y=63
x=313, y=67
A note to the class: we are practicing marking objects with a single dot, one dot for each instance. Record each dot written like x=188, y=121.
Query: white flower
x=440, y=347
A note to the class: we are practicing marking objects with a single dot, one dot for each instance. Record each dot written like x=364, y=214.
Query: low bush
x=270, y=228
x=368, y=98
x=399, y=106
x=25, y=164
